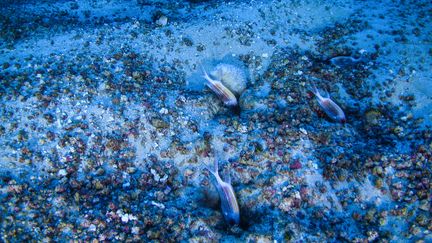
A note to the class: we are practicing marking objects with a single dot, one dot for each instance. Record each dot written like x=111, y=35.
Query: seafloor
x=106, y=125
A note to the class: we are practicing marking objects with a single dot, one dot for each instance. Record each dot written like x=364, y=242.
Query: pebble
x=62, y=172
x=156, y=176
x=295, y=165
x=100, y=171
x=163, y=111
x=135, y=230
x=162, y=20
x=92, y=228
x=159, y=123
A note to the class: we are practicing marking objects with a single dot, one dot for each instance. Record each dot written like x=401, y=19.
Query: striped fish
x=227, y=97
x=229, y=205
x=329, y=106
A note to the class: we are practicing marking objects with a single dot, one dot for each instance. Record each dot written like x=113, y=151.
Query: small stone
x=98, y=185
x=259, y=238
x=131, y=170
x=200, y=47
x=59, y=189
x=295, y=165
x=398, y=130
x=378, y=183
x=136, y=75
x=135, y=230
x=159, y=123
x=187, y=41
x=62, y=172
x=378, y=170
x=156, y=176
x=100, y=171
x=163, y=111
x=77, y=197
x=162, y=20
x=424, y=205
x=422, y=220
x=159, y=205
x=372, y=235
x=382, y=221
x=92, y=228
x=415, y=230
x=125, y=218
x=373, y=116
x=188, y=172
x=302, y=130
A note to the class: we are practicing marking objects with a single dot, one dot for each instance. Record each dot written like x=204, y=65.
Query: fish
x=332, y=109
x=229, y=205
x=227, y=97
x=344, y=61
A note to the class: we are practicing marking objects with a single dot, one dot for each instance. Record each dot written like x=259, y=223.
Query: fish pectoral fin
x=205, y=74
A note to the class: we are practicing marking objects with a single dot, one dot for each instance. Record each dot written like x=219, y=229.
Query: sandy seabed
x=106, y=124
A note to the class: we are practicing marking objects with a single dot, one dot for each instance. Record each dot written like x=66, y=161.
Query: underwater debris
x=229, y=205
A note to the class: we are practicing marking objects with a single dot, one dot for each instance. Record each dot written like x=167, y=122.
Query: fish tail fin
x=214, y=170
x=317, y=93
x=327, y=95
x=226, y=173
x=315, y=90
x=212, y=84
x=205, y=74
x=216, y=167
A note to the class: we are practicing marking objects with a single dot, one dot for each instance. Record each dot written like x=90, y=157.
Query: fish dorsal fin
x=316, y=92
x=216, y=168
x=213, y=172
